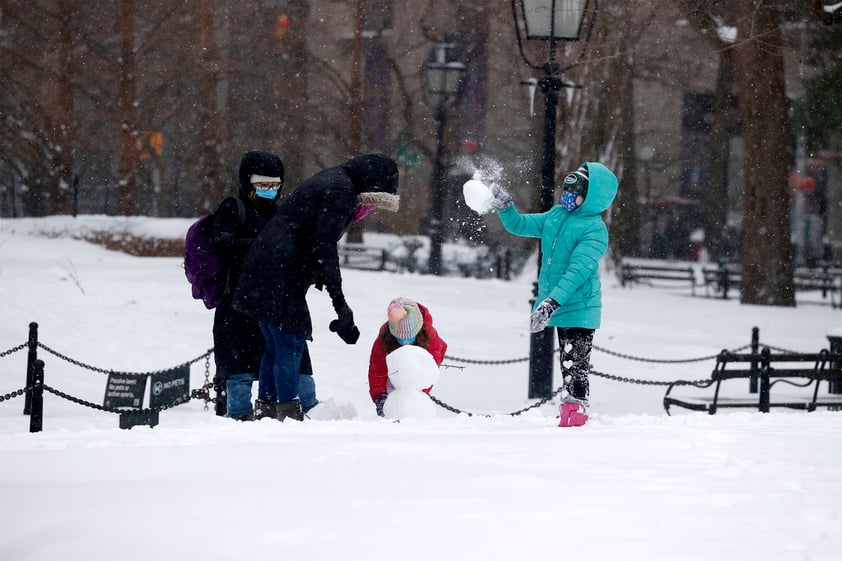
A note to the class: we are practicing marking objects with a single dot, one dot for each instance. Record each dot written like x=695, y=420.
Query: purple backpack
x=204, y=269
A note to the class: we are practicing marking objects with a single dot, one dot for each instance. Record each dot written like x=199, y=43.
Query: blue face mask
x=266, y=193
x=409, y=341
x=568, y=200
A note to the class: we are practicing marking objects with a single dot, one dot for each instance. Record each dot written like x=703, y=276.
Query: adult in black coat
x=298, y=249
x=238, y=342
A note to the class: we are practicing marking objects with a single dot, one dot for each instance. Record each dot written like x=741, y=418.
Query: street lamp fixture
x=556, y=20
x=443, y=74
x=551, y=21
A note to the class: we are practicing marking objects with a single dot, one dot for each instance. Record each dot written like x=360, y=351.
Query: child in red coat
x=409, y=323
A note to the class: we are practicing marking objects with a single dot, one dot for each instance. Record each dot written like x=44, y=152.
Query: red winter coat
x=378, y=373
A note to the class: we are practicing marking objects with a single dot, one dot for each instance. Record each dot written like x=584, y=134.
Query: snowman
x=411, y=370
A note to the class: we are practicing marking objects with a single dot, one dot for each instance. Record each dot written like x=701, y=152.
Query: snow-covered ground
x=633, y=484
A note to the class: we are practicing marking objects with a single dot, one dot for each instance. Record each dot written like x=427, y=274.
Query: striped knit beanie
x=405, y=319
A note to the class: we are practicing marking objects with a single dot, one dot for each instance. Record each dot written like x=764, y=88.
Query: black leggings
x=575, y=344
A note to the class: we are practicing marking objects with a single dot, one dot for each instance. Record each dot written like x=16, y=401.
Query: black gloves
x=378, y=403
x=344, y=325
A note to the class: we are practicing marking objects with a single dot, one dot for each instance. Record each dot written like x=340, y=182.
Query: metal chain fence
x=204, y=392
x=13, y=350
x=622, y=379
x=107, y=371
x=99, y=407
x=14, y=394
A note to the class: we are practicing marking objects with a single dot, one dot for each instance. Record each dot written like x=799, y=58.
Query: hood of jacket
x=373, y=173
x=602, y=188
x=260, y=163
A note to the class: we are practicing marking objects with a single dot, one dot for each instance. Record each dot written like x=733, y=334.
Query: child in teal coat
x=573, y=240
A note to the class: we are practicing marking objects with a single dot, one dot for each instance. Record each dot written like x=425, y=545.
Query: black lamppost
x=552, y=21
x=442, y=81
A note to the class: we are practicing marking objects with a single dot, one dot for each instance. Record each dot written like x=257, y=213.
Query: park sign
x=124, y=390
x=170, y=387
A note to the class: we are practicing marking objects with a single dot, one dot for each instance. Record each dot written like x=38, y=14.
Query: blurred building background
x=145, y=107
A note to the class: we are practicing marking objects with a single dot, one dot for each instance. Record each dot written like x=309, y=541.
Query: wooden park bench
x=358, y=256
x=721, y=278
x=644, y=272
x=827, y=280
x=801, y=373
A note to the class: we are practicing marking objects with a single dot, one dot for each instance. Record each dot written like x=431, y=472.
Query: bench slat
x=705, y=403
x=638, y=272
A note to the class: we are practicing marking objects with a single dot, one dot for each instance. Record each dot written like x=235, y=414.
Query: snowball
x=477, y=195
x=412, y=367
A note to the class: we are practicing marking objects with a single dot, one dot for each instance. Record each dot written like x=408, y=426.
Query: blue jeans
x=307, y=392
x=280, y=365
x=239, y=395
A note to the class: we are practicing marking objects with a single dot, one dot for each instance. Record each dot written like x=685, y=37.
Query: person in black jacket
x=238, y=342
x=297, y=250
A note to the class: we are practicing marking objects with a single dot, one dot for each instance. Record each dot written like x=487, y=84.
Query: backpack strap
x=241, y=209
x=241, y=216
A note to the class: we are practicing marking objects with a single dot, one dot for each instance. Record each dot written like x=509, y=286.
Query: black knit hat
x=373, y=173
x=260, y=163
x=577, y=181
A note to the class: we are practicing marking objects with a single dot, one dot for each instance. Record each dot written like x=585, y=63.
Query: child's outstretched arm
x=525, y=225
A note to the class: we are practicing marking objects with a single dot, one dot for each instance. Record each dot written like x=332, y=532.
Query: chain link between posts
x=99, y=407
x=13, y=350
x=14, y=394
x=81, y=364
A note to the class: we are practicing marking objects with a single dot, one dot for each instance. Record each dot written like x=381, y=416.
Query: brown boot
x=289, y=410
x=265, y=409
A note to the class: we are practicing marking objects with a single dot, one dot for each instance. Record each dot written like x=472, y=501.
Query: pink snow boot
x=571, y=416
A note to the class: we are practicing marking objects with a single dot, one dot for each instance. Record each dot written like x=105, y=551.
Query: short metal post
x=221, y=404
x=755, y=345
x=31, y=357
x=36, y=417
x=765, y=387
x=541, y=350
x=835, y=386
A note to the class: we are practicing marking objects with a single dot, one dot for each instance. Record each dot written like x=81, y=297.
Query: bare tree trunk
x=356, y=77
x=767, y=255
x=127, y=203
x=625, y=217
x=210, y=158
x=62, y=201
x=355, y=232
x=716, y=203
x=294, y=75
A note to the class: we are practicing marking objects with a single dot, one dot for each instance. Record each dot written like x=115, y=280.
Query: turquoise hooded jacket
x=572, y=243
